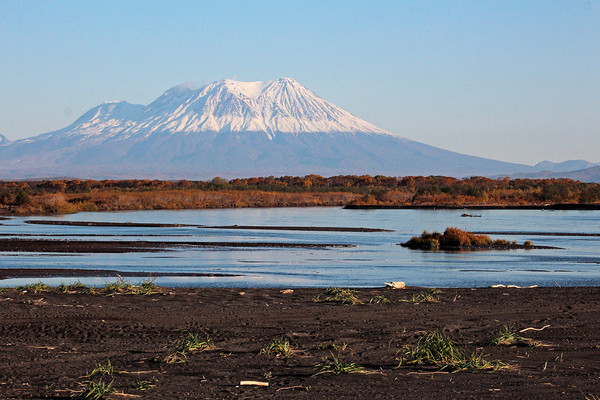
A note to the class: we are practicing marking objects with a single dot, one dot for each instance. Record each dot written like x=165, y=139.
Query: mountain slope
x=230, y=129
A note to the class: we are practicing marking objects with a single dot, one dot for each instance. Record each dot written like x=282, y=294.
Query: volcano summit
x=230, y=129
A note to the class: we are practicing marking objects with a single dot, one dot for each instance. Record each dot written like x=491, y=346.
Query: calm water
x=376, y=258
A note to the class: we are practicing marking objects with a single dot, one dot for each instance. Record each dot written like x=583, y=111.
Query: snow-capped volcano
x=278, y=106
x=230, y=128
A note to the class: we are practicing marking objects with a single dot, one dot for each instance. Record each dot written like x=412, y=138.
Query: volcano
x=230, y=129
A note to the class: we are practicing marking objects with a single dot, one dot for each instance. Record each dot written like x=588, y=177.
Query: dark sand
x=49, y=342
x=122, y=246
x=244, y=227
x=8, y=273
x=298, y=228
x=523, y=233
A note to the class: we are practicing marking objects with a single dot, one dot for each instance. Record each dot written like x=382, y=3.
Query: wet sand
x=245, y=227
x=298, y=228
x=8, y=273
x=50, y=342
x=122, y=246
x=528, y=233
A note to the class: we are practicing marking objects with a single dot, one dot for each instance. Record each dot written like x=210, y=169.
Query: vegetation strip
x=360, y=192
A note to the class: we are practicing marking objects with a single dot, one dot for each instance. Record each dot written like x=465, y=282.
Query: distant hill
x=231, y=129
x=591, y=174
x=565, y=166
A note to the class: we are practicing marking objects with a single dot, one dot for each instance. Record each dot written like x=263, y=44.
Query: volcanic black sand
x=8, y=273
x=244, y=227
x=50, y=343
x=122, y=246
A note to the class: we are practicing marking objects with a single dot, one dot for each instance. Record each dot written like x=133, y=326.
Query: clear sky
x=511, y=80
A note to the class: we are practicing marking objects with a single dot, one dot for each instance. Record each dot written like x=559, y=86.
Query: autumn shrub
x=459, y=238
x=451, y=238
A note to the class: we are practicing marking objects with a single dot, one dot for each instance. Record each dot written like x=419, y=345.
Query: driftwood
x=253, y=383
x=396, y=285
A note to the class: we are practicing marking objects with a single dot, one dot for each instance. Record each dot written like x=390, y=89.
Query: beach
x=50, y=343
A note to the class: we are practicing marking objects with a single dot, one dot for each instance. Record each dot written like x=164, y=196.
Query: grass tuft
x=278, y=348
x=427, y=296
x=102, y=369
x=191, y=342
x=144, y=384
x=381, y=299
x=341, y=295
x=336, y=366
x=509, y=336
x=437, y=349
x=35, y=288
x=96, y=390
x=145, y=287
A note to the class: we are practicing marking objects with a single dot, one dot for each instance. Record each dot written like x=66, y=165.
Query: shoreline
x=566, y=206
x=51, y=342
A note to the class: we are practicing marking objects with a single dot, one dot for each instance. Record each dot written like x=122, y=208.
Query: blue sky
x=512, y=80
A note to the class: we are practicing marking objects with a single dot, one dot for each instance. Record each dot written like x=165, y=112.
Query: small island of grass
x=454, y=238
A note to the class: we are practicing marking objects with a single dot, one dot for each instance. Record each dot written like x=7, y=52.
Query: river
x=375, y=257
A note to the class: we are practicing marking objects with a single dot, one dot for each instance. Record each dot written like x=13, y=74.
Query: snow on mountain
x=230, y=129
x=3, y=140
x=278, y=106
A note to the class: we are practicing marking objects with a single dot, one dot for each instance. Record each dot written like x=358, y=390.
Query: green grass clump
x=341, y=295
x=437, y=349
x=381, y=299
x=35, y=288
x=427, y=296
x=508, y=336
x=102, y=369
x=145, y=287
x=96, y=390
x=64, y=288
x=336, y=366
x=278, y=348
x=145, y=384
x=76, y=286
x=191, y=342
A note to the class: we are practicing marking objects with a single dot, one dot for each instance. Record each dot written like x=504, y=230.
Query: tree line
x=28, y=196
